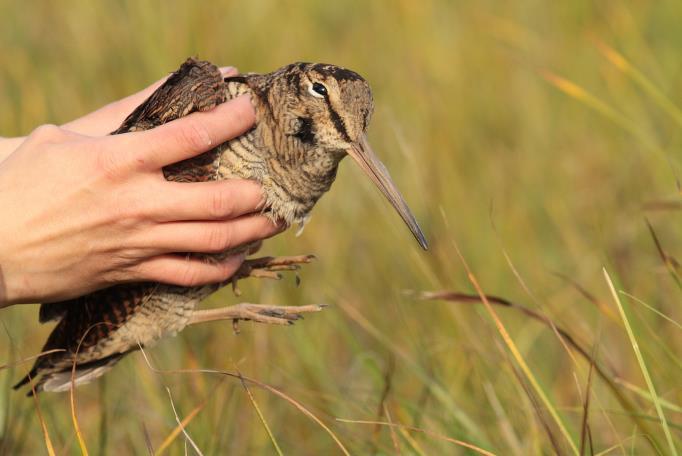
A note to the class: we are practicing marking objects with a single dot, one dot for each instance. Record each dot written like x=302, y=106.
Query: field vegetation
x=539, y=145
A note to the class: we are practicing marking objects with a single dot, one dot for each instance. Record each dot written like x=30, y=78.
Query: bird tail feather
x=63, y=380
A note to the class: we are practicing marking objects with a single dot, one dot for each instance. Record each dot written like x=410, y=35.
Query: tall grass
x=542, y=138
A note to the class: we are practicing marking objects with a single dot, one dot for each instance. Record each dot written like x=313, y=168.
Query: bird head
x=340, y=104
x=322, y=112
x=337, y=104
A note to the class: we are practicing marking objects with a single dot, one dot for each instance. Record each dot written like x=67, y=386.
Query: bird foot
x=268, y=268
x=260, y=313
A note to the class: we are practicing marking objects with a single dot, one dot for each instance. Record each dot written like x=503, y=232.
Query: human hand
x=82, y=213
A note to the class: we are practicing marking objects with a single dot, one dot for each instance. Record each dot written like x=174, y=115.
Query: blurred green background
x=536, y=137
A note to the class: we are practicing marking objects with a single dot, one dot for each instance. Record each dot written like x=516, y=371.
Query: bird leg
x=268, y=268
x=275, y=315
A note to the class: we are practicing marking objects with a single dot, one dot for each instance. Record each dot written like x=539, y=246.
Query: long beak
x=371, y=165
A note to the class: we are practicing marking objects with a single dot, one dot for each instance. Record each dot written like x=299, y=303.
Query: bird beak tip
x=423, y=243
x=370, y=164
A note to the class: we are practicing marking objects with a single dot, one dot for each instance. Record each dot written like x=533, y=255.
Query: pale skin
x=82, y=210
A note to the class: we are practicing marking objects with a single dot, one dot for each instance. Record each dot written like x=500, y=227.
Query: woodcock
x=308, y=118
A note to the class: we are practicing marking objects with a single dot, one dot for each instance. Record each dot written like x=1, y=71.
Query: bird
x=309, y=116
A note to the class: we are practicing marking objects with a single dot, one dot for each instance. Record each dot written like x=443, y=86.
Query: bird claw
x=274, y=315
x=268, y=268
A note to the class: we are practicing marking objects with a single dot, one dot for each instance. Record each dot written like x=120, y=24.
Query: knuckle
x=136, y=270
x=195, y=136
x=47, y=133
x=120, y=275
x=194, y=274
x=122, y=270
x=219, y=238
x=131, y=215
x=222, y=205
x=108, y=165
x=190, y=276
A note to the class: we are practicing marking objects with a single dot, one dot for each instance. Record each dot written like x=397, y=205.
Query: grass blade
x=576, y=92
x=72, y=397
x=517, y=355
x=43, y=426
x=620, y=62
x=642, y=365
x=147, y=440
x=503, y=420
x=260, y=415
x=394, y=437
x=29, y=358
x=585, y=428
x=656, y=311
x=438, y=391
x=182, y=428
x=669, y=262
x=413, y=442
x=607, y=375
x=178, y=429
x=645, y=395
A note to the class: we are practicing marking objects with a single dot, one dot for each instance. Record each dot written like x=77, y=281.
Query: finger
x=187, y=271
x=216, y=200
x=109, y=117
x=206, y=237
x=189, y=136
x=228, y=71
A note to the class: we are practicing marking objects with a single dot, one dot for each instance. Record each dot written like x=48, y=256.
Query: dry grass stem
x=165, y=444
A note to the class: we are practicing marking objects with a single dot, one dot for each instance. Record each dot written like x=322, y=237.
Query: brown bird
x=308, y=118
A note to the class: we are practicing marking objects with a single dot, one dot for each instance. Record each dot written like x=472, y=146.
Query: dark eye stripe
x=338, y=122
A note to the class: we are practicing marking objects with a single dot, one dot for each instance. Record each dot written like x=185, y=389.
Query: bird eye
x=317, y=90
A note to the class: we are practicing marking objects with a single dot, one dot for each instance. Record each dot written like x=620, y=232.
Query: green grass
x=541, y=138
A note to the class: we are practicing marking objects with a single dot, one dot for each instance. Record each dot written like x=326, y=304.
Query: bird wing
x=195, y=86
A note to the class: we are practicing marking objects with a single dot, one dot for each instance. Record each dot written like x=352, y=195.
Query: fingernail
x=228, y=71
